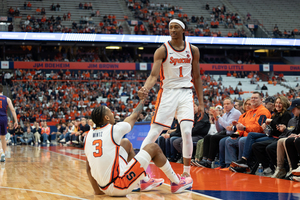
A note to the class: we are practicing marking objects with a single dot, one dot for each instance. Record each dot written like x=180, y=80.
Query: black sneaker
x=203, y=163
x=239, y=169
x=240, y=163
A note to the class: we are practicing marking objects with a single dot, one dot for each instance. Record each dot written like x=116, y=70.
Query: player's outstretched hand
x=16, y=125
x=143, y=93
x=201, y=111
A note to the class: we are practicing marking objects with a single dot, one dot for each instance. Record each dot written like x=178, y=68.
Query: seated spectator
x=207, y=6
x=10, y=27
x=18, y=134
x=98, y=14
x=28, y=6
x=37, y=131
x=27, y=137
x=25, y=5
x=269, y=103
x=11, y=11
x=232, y=142
x=248, y=17
x=58, y=7
x=74, y=25
x=281, y=117
x=80, y=5
x=69, y=16
x=45, y=133
x=85, y=5
x=257, y=87
x=38, y=11
x=93, y=13
x=43, y=11
x=17, y=11
x=264, y=87
x=90, y=6
x=253, y=129
x=52, y=7
x=211, y=142
x=165, y=141
x=228, y=74
x=11, y=131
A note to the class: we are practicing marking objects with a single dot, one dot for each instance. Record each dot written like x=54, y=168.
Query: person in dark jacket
x=277, y=154
x=281, y=116
x=200, y=129
x=165, y=141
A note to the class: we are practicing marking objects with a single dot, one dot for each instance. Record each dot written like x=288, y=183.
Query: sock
x=167, y=169
x=187, y=169
x=146, y=178
x=204, y=159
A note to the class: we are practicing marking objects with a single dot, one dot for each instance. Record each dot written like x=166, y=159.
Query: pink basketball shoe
x=152, y=183
x=185, y=183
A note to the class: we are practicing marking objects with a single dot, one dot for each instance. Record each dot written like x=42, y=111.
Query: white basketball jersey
x=102, y=151
x=176, y=70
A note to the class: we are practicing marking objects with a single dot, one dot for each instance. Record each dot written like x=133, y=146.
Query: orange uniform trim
x=130, y=176
x=114, y=171
x=159, y=95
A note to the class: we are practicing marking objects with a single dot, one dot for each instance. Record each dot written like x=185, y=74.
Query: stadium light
x=141, y=48
x=112, y=47
x=261, y=51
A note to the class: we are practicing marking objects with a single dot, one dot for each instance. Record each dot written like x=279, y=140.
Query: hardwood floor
x=36, y=173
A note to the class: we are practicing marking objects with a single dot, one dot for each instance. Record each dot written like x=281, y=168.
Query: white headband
x=178, y=22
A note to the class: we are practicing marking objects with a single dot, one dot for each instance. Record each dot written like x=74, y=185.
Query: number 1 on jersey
x=98, y=147
x=180, y=72
x=0, y=104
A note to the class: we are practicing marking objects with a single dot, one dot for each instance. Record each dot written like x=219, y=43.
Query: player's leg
x=155, y=131
x=3, y=132
x=187, y=145
x=165, y=109
x=126, y=144
x=185, y=115
x=154, y=153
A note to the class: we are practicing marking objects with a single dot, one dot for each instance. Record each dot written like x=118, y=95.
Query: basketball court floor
x=58, y=172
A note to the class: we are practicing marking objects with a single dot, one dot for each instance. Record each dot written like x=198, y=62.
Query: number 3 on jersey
x=180, y=72
x=98, y=152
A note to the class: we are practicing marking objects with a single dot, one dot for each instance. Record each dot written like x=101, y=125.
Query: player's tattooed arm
x=135, y=114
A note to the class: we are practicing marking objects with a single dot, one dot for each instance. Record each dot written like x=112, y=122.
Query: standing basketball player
x=112, y=164
x=4, y=102
x=177, y=64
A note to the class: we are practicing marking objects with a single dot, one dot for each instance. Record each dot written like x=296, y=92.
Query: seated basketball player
x=112, y=166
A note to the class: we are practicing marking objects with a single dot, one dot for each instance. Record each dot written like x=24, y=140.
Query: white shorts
x=130, y=173
x=171, y=100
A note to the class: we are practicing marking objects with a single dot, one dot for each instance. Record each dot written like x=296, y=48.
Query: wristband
x=244, y=128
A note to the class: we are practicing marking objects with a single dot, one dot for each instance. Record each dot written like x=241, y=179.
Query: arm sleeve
x=120, y=129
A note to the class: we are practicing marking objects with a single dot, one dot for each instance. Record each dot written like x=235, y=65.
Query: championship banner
x=229, y=67
x=74, y=65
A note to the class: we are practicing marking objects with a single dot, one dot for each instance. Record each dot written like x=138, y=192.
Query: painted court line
x=64, y=195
